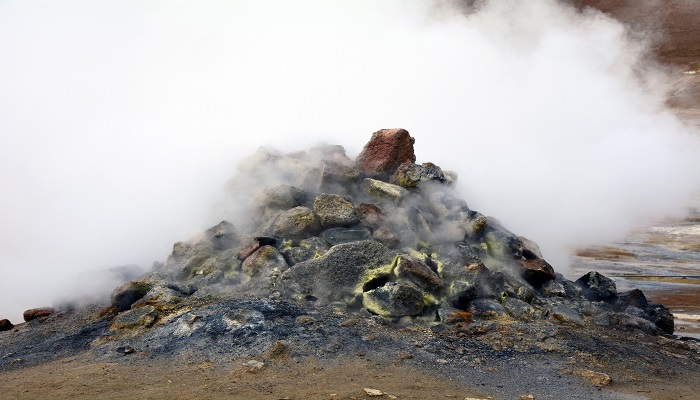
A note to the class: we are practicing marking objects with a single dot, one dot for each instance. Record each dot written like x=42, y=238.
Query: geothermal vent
x=380, y=236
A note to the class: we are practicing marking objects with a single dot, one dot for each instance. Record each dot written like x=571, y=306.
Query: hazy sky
x=121, y=120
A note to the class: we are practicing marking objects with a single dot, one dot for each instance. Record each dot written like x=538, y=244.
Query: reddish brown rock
x=5, y=325
x=537, y=272
x=370, y=215
x=385, y=152
x=35, y=313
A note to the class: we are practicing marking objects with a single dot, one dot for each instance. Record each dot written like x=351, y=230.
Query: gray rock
x=265, y=259
x=519, y=309
x=140, y=317
x=553, y=289
x=296, y=222
x=341, y=273
x=419, y=274
x=597, y=287
x=382, y=191
x=281, y=197
x=222, y=236
x=186, y=258
x=312, y=247
x=567, y=314
x=394, y=300
x=345, y=235
x=333, y=211
x=410, y=175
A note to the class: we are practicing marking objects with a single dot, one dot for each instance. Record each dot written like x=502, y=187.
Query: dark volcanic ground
x=250, y=348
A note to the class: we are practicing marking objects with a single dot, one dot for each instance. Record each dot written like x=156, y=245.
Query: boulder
x=35, y=313
x=296, y=222
x=653, y=312
x=333, y=210
x=5, y=325
x=385, y=152
x=597, y=287
x=370, y=215
x=281, y=197
x=222, y=235
x=419, y=274
x=129, y=293
x=410, y=175
x=341, y=273
x=536, y=272
x=265, y=259
x=345, y=235
x=337, y=177
x=382, y=191
x=394, y=300
x=519, y=309
x=186, y=258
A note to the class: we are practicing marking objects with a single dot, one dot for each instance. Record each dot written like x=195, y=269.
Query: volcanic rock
x=333, y=210
x=418, y=274
x=385, y=152
x=341, y=273
x=265, y=259
x=5, y=325
x=35, y=313
x=344, y=235
x=222, y=236
x=536, y=272
x=597, y=287
x=370, y=215
x=129, y=293
x=297, y=222
x=313, y=247
x=394, y=300
x=140, y=317
x=386, y=237
x=382, y=191
x=410, y=175
x=281, y=197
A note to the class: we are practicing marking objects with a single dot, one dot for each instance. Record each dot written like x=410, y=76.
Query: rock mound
x=379, y=236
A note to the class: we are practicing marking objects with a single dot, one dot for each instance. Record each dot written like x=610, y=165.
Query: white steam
x=121, y=121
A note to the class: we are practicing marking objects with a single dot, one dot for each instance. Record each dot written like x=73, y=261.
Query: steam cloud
x=121, y=121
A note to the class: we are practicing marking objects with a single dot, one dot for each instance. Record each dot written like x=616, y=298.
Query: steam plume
x=121, y=121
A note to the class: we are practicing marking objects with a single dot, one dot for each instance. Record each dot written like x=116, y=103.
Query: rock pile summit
x=380, y=235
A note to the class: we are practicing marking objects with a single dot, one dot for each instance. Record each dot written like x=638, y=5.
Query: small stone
x=597, y=379
x=5, y=325
x=253, y=365
x=527, y=397
x=441, y=361
x=373, y=392
x=35, y=313
x=128, y=350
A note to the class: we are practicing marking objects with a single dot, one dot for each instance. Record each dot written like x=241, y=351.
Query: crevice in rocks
x=376, y=283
